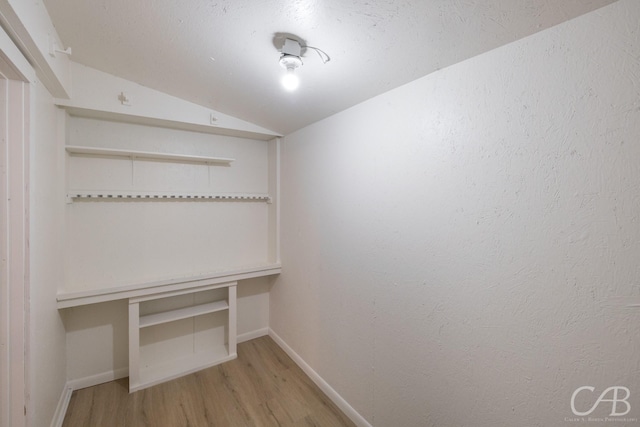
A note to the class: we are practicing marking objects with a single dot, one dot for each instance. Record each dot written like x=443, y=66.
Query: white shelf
x=152, y=375
x=93, y=151
x=182, y=313
x=126, y=115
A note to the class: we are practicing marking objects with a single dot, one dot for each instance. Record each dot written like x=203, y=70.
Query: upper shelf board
x=94, y=113
x=73, y=149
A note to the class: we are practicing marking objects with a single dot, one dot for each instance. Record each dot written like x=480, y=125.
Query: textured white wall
x=47, y=340
x=461, y=250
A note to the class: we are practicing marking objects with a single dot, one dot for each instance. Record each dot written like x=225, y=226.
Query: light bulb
x=290, y=63
x=290, y=81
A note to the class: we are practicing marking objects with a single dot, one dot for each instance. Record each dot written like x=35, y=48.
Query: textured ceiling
x=221, y=53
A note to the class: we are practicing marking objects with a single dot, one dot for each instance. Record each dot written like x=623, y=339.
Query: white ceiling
x=221, y=53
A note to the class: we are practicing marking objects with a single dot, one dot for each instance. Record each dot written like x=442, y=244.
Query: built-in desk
x=176, y=326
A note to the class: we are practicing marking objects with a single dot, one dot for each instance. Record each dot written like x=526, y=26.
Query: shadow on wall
x=96, y=339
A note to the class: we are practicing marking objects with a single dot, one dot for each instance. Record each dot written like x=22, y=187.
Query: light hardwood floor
x=263, y=387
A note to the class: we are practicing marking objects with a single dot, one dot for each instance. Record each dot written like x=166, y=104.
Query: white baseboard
x=63, y=404
x=253, y=334
x=101, y=378
x=344, y=406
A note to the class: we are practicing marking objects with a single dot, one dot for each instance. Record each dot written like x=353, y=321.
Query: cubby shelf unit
x=144, y=373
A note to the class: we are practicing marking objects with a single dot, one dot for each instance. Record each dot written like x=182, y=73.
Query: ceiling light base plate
x=291, y=47
x=290, y=62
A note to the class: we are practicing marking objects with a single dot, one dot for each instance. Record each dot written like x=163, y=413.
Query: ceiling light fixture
x=290, y=81
x=291, y=60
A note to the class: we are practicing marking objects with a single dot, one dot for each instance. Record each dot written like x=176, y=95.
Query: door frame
x=15, y=75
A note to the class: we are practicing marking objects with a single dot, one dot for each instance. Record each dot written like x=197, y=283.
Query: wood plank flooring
x=262, y=388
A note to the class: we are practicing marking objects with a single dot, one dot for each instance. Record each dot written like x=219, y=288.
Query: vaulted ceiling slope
x=221, y=53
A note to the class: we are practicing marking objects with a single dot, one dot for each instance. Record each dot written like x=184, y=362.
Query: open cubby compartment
x=172, y=334
x=168, y=309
